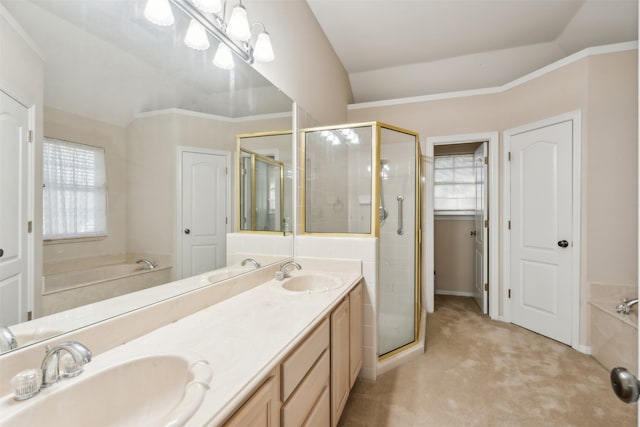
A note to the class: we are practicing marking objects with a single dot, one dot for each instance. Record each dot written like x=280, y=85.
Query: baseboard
x=585, y=349
x=455, y=293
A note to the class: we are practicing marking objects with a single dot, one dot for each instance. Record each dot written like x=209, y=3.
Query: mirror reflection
x=265, y=179
x=155, y=108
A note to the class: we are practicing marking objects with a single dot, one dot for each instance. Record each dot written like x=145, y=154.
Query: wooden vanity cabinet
x=310, y=387
x=261, y=409
x=346, y=350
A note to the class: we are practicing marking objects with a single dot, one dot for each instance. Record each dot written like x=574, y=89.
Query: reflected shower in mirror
x=115, y=81
x=265, y=182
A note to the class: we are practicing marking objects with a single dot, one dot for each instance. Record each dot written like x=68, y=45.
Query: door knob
x=563, y=243
x=1, y=252
x=187, y=231
x=625, y=385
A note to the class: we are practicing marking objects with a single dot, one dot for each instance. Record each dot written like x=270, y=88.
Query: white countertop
x=243, y=338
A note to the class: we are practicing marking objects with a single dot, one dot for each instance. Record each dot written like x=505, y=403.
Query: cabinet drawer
x=302, y=402
x=320, y=415
x=296, y=366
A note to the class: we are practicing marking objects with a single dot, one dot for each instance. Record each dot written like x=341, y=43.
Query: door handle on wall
x=563, y=243
x=187, y=231
x=400, y=228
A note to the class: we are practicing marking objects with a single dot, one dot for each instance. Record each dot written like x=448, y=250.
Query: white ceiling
x=103, y=60
x=402, y=48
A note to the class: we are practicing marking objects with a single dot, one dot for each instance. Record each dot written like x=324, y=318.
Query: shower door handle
x=400, y=227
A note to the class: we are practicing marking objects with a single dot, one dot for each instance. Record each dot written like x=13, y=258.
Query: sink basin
x=311, y=283
x=156, y=390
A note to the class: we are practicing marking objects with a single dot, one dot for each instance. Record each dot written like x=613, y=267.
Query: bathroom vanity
x=277, y=357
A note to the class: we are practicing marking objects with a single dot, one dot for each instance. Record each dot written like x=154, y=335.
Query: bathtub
x=63, y=291
x=614, y=336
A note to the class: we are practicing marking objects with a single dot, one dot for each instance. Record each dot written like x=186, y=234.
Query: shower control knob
x=625, y=385
x=187, y=231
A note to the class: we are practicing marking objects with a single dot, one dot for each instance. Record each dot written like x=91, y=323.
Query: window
x=75, y=190
x=454, y=185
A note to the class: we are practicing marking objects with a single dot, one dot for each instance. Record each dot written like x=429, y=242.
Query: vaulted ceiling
x=403, y=48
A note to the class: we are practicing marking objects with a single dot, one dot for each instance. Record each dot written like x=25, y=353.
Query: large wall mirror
x=265, y=177
x=162, y=114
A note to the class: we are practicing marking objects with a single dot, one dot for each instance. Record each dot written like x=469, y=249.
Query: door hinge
x=509, y=293
x=486, y=287
x=226, y=171
x=486, y=223
x=486, y=160
x=29, y=226
x=29, y=315
x=30, y=136
x=509, y=156
x=509, y=224
x=226, y=220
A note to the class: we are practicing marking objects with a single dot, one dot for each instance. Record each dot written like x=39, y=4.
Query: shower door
x=398, y=267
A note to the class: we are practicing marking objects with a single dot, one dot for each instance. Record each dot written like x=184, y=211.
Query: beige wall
x=75, y=128
x=454, y=255
x=22, y=77
x=306, y=67
x=604, y=87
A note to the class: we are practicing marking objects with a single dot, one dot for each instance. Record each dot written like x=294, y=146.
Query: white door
x=541, y=230
x=481, y=231
x=14, y=178
x=204, y=188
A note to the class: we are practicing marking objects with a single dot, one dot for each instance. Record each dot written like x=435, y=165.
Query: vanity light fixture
x=234, y=37
x=159, y=12
x=196, y=37
x=238, y=27
x=223, y=57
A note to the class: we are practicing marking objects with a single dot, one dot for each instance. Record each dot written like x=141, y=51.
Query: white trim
x=585, y=349
x=576, y=118
x=441, y=217
x=179, y=151
x=494, y=208
x=21, y=32
x=585, y=53
x=189, y=113
x=455, y=293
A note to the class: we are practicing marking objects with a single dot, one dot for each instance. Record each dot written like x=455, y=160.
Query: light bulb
x=263, y=51
x=238, y=27
x=223, y=57
x=159, y=12
x=208, y=6
x=196, y=37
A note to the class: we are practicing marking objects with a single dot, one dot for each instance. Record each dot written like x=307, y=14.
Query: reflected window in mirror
x=74, y=190
x=338, y=180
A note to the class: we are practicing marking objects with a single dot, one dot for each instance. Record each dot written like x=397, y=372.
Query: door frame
x=492, y=138
x=576, y=118
x=180, y=149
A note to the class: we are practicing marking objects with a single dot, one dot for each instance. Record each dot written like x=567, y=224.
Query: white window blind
x=75, y=190
x=454, y=185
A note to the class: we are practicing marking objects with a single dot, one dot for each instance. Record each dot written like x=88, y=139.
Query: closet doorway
x=462, y=194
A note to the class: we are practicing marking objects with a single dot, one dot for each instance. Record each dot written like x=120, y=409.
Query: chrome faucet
x=7, y=339
x=283, y=273
x=625, y=306
x=149, y=265
x=51, y=371
x=251, y=260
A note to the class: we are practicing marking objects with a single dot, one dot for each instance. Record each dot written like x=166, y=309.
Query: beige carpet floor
x=479, y=372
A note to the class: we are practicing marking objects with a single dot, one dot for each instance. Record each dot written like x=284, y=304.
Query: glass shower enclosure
x=363, y=180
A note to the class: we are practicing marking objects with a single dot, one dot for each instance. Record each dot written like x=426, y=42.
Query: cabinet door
x=340, y=374
x=355, y=332
x=260, y=410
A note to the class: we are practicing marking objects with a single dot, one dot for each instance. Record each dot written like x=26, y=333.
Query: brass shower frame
x=253, y=196
x=375, y=223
